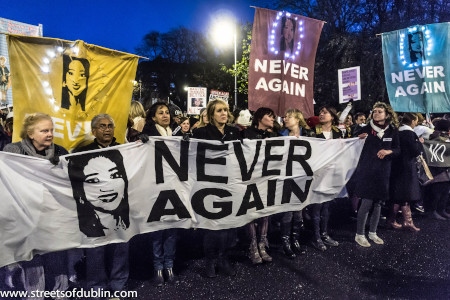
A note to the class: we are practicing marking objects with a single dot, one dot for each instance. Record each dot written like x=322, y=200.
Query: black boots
x=165, y=275
x=169, y=276
x=296, y=245
x=286, y=239
x=210, y=268
x=225, y=266
x=319, y=245
x=327, y=240
x=159, y=278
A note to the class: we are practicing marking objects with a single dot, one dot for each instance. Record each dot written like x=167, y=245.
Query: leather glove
x=143, y=137
x=54, y=160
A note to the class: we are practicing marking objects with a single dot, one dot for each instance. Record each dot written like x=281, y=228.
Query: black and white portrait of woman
x=100, y=189
x=74, y=82
x=415, y=47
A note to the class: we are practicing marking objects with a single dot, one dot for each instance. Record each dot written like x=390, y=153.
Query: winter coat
x=371, y=177
x=252, y=133
x=210, y=132
x=404, y=183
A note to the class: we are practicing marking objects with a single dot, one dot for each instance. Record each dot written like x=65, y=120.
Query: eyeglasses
x=103, y=127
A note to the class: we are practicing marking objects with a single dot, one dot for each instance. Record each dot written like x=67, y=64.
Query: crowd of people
x=386, y=176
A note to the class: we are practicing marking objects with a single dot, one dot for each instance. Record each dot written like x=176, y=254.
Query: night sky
x=121, y=25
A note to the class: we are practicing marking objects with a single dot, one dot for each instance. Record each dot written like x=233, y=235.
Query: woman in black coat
x=326, y=129
x=163, y=241
x=291, y=226
x=405, y=187
x=263, y=119
x=371, y=177
x=216, y=242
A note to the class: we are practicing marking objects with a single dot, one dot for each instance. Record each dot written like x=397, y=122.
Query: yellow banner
x=71, y=81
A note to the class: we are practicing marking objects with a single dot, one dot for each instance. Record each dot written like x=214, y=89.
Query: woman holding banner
x=263, y=119
x=163, y=241
x=292, y=221
x=372, y=175
x=37, y=141
x=217, y=242
x=326, y=129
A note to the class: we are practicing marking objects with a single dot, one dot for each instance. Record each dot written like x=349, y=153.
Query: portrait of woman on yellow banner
x=72, y=82
x=75, y=82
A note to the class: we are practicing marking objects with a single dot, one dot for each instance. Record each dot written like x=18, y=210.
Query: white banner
x=110, y=195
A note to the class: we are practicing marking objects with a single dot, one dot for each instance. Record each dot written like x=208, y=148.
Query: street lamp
x=140, y=90
x=223, y=30
x=138, y=85
x=235, y=69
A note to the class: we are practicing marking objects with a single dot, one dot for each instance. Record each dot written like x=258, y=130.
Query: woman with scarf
x=371, y=177
x=37, y=141
x=163, y=241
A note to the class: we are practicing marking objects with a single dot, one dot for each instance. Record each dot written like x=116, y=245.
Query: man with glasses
x=107, y=266
x=102, y=127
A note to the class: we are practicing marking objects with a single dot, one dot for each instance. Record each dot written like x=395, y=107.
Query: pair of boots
x=165, y=275
x=407, y=218
x=291, y=245
x=257, y=251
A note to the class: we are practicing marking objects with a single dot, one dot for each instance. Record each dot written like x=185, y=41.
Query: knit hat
x=245, y=118
x=312, y=121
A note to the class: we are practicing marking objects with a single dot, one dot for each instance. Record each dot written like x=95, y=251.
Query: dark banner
x=437, y=153
x=283, y=52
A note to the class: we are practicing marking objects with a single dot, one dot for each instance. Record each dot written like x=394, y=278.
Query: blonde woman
x=137, y=114
x=292, y=221
x=217, y=242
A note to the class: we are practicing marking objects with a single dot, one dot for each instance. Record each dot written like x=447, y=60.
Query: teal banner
x=417, y=68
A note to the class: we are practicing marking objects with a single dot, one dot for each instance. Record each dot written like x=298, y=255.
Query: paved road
x=408, y=266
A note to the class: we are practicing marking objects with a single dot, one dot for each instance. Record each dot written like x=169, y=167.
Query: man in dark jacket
x=107, y=266
x=102, y=127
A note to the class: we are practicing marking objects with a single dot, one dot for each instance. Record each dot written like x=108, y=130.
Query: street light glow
x=224, y=35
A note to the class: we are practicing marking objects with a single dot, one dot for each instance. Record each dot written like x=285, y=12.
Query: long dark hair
x=284, y=19
x=81, y=98
x=88, y=219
